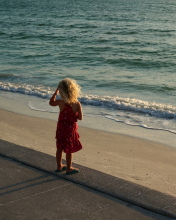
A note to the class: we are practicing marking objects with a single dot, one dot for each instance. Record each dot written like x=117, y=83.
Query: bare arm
x=80, y=114
x=53, y=101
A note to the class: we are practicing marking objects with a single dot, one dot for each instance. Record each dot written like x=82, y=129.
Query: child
x=67, y=138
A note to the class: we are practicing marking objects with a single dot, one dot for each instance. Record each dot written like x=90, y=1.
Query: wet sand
x=144, y=162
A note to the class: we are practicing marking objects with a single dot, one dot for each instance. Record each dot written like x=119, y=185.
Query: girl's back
x=76, y=108
x=69, y=113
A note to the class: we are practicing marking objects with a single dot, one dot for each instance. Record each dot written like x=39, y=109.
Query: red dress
x=67, y=137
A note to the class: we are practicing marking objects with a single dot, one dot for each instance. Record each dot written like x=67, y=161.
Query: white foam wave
x=132, y=105
x=42, y=107
x=111, y=102
x=163, y=128
x=39, y=91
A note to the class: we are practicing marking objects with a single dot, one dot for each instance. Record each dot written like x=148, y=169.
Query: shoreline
x=144, y=162
x=20, y=106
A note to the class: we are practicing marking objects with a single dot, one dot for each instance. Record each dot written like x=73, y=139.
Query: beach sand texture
x=144, y=162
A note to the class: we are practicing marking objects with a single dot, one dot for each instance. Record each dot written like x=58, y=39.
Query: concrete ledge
x=127, y=191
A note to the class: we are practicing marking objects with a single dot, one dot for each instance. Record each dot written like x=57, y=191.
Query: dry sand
x=144, y=162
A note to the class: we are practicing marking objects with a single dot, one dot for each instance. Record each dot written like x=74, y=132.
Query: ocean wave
x=154, y=109
x=146, y=126
x=39, y=91
x=132, y=105
x=6, y=76
x=140, y=62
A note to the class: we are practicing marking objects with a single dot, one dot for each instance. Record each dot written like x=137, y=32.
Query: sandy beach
x=144, y=162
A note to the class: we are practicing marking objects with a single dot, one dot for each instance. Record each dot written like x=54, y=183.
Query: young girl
x=67, y=138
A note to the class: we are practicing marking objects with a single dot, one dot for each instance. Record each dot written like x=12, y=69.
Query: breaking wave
x=110, y=102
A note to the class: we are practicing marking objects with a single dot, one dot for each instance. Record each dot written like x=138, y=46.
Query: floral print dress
x=67, y=137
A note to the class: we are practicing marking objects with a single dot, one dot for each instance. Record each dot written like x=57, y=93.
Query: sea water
x=121, y=52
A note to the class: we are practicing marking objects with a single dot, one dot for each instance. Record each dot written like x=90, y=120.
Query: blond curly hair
x=69, y=90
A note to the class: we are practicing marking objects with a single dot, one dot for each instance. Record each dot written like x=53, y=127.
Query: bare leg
x=59, y=159
x=69, y=157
